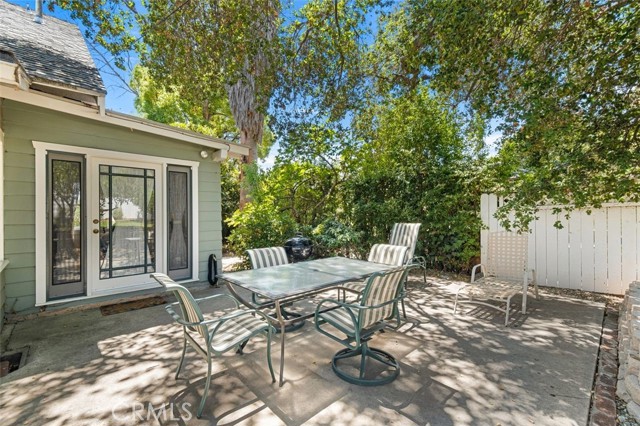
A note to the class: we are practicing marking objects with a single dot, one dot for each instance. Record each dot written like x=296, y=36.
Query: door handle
x=95, y=231
x=96, y=221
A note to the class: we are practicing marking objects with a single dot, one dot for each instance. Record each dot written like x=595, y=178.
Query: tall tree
x=241, y=48
x=562, y=79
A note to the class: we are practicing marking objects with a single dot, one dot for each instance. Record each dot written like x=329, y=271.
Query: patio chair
x=354, y=324
x=381, y=253
x=219, y=335
x=265, y=258
x=504, y=275
x=406, y=234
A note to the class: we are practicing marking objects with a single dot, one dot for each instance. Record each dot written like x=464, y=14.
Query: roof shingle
x=51, y=52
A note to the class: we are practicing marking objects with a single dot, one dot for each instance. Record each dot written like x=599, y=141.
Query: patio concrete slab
x=468, y=369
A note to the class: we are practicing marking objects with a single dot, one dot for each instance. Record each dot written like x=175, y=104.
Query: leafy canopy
x=561, y=78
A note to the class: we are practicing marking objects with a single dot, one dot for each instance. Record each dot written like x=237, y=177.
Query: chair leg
x=206, y=386
x=241, y=346
x=365, y=352
x=508, y=309
x=404, y=312
x=184, y=351
x=363, y=364
x=273, y=376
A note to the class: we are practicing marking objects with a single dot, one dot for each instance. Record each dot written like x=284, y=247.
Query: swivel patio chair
x=387, y=254
x=504, y=275
x=219, y=335
x=265, y=258
x=354, y=324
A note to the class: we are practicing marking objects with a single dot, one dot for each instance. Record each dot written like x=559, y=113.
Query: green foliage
x=560, y=77
x=414, y=167
x=260, y=224
x=333, y=238
x=117, y=213
x=417, y=168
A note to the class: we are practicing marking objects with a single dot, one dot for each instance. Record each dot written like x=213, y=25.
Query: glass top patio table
x=294, y=281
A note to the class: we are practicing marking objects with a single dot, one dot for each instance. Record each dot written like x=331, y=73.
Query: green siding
x=23, y=124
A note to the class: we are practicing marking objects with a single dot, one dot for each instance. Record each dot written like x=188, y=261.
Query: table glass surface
x=278, y=282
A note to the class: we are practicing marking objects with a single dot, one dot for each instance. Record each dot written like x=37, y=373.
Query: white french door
x=125, y=224
x=105, y=220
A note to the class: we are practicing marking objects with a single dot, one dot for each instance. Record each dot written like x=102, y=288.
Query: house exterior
x=92, y=201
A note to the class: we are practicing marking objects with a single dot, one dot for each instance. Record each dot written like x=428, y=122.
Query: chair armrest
x=181, y=321
x=421, y=261
x=215, y=296
x=220, y=321
x=338, y=304
x=350, y=306
x=178, y=318
x=475, y=268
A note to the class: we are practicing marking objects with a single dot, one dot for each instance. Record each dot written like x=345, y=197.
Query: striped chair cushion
x=380, y=253
x=266, y=257
x=388, y=254
x=380, y=289
x=405, y=234
x=341, y=320
x=234, y=331
x=190, y=309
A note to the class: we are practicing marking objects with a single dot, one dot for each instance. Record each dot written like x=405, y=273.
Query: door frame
x=129, y=282
x=82, y=284
x=178, y=274
x=144, y=282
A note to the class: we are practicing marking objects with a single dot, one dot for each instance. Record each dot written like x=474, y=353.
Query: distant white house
x=92, y=201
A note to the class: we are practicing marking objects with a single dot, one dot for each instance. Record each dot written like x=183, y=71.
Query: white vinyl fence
x=599, y=252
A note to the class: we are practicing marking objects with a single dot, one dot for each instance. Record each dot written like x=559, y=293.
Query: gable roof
x=52, y=52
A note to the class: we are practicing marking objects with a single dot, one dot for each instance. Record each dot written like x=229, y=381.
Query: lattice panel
x=507, y=255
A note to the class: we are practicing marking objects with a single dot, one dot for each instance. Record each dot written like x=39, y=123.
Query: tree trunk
x=250, y=123
x=243, y=95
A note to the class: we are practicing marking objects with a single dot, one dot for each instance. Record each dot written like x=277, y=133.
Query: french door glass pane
x=66, y=222
x=127, y=221
x=178, y=221
x=180, y=256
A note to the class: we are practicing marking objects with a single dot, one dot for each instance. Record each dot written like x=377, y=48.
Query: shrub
x=333, y=238
x=259, y=225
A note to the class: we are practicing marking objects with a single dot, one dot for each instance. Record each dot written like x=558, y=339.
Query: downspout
x=38, y=18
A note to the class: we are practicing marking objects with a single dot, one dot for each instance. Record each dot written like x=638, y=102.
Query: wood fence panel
x=575, y=251
x=593, y=252
x=600, y=250
x=562, y=261
x=630, y=223
x=588, y=253
x=552, y=248
x=614, y=251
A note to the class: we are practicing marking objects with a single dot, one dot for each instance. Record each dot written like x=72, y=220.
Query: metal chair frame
x=504, y=275
x=359, y=321
x=235, y=328
x=387, y=254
